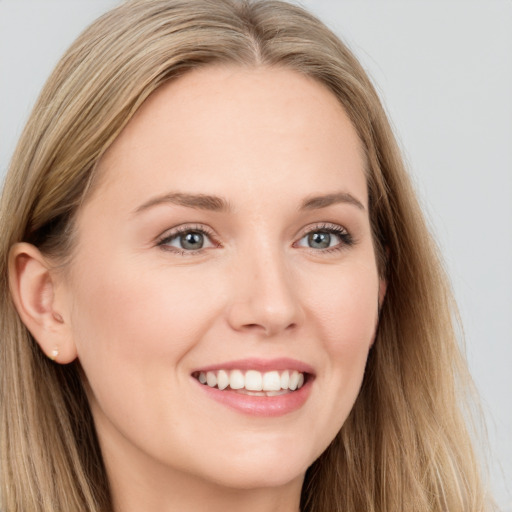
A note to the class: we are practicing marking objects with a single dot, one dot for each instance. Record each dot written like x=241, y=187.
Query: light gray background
x=444, y=71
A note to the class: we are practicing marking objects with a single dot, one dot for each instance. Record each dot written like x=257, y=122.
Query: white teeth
x=294, y=380
x=254, y=382
x=222, y=379
x=277, y=393
x=285, y=379
x=236, y=379
x=211, y=379
x=271, y=381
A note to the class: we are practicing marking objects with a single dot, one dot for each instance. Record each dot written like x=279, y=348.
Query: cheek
x=346, y=319
x=139, y=312
x=347, y=309
x=133, y=329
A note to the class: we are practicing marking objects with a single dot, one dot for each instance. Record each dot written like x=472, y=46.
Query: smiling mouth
x=253, y=382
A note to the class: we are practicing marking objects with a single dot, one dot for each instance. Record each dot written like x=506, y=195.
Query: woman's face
x=228, y=239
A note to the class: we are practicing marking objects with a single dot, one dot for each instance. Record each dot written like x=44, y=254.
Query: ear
x=37, y=298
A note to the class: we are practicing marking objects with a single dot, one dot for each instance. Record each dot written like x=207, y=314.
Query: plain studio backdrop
x=444, y=72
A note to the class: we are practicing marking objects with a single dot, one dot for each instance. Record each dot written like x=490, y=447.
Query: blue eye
x=187, y=240
x=319, y=240
x=326, y=237
x=191, y=241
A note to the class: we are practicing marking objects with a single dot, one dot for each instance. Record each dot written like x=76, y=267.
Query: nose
x=265, y=296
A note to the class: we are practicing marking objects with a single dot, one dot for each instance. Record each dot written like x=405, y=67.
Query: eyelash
x=334, y=229
x=181, y=230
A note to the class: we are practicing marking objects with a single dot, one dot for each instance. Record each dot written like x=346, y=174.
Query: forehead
x=248, y=129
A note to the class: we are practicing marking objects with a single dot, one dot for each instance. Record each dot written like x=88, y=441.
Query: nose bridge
x=265, y=294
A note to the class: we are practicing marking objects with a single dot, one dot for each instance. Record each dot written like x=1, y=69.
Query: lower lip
x=265, y=406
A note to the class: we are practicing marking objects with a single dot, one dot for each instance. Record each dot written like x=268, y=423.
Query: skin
x=142, y=316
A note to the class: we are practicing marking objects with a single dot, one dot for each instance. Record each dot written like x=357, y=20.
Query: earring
x=54, y=353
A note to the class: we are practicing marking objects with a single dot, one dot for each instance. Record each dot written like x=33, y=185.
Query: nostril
x=268, y=329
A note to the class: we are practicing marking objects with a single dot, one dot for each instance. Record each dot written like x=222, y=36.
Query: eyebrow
x=317, y=202
x=218, y=204
x=196, y=201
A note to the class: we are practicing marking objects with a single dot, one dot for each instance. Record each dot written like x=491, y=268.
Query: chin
x=266, y=469
x=256, y=478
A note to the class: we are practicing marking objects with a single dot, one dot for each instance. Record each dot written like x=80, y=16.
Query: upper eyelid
x=322, y=226
x=185, y=228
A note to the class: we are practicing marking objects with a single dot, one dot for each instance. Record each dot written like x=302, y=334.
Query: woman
x=218, y=288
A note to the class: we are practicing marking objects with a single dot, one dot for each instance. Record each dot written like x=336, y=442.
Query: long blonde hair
x=405, y=445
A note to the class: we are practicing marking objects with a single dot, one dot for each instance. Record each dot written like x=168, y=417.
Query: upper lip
x=262, y=365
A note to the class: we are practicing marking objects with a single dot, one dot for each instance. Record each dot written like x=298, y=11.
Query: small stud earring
x=54, y=353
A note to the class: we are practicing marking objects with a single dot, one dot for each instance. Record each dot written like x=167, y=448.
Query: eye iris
x=319, y=240
x=192, y=240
